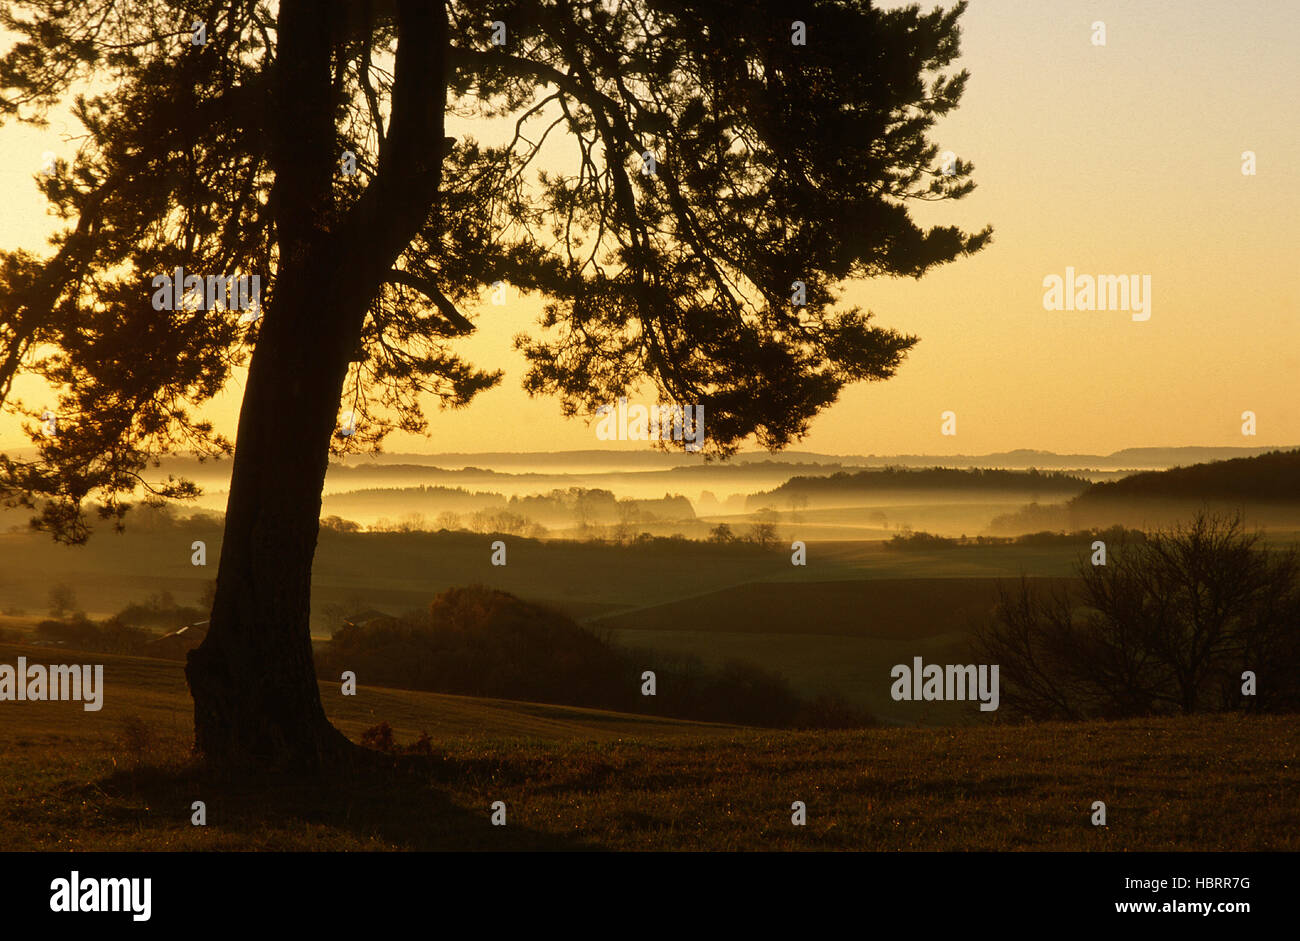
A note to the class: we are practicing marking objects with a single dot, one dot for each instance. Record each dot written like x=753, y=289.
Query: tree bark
x=253, y=681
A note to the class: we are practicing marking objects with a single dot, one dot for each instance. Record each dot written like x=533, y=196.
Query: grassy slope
x=840, y=637
x=576, y=778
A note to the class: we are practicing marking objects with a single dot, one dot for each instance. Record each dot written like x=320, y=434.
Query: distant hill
x=517, y=472
x=961, y=480
x=1270, y=477
x=1148, y=458
x=1127, y=458
x=1265, y=488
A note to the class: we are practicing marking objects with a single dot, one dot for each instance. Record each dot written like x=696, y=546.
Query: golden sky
x=1116, y=159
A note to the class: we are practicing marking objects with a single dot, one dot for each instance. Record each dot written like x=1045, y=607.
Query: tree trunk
x=253, y=680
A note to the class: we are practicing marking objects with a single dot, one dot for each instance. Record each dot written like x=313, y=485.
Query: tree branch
x=430, y=290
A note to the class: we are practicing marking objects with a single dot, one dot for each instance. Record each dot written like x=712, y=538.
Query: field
x=833, y=626
x=396, y=570
x=827, y=637
x=583, y=779
x=935, y=776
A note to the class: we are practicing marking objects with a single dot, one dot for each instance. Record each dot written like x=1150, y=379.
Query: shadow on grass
x=392, y=808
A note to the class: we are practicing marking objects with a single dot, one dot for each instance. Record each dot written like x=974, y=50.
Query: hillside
x=838, y=637
x=586, y=461
x=1264, y=489
x=895, y=479
x=122, y=779
x=1264, y=478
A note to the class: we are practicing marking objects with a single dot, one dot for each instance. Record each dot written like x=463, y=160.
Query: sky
x=1122, y=159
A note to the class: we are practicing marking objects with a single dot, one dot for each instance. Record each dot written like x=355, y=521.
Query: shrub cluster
x=480, y=642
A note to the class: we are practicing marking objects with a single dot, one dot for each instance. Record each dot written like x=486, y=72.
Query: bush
x=161, y=611
x=109, y=636
x=721, y=533
x=919, y=542
x=380, y=738
x=480, y=642
x=1168, y=625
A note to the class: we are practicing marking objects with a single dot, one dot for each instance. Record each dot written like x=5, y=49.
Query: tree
x=339, y=525
x=722, y=534
x=62, y=600
x=798, y=503
x=629, y=516
x=447, y=520
x=762, y=532
x=779, y=170
x=1169, y=623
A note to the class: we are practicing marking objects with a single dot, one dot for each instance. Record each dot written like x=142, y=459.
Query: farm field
x=396, y=571
x=834, y=626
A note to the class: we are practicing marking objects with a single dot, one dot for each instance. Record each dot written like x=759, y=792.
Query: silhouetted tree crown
x=773, y=163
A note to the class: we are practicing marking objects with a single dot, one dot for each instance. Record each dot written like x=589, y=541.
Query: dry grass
x=123, y=779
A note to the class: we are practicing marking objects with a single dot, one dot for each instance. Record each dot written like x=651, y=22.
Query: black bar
x=332, y=890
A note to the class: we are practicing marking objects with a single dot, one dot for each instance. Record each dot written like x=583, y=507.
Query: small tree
x=721, y=533
x=629, y=515
x=1168, y=624
x=763, y=530
x=62, y=600
x=338, y=524
x=798, y=503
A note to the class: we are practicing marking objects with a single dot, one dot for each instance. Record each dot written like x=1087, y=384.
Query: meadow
x=835, y=625
x=123, y=779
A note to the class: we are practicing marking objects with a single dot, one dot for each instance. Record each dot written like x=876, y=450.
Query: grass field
x=840, y=638
x=834, y=626
x=122, y=779
x=394, y=571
